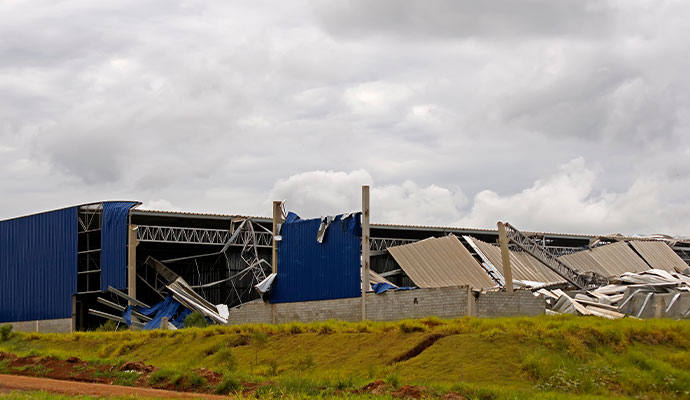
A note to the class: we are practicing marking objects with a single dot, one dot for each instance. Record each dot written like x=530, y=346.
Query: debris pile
x=653, y=293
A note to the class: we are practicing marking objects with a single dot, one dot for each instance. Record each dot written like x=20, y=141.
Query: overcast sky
x=565, y=116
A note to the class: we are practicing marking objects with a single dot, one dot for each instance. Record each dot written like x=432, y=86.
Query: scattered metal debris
x=653, y=293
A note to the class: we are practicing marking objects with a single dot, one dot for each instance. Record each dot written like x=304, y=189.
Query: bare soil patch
x=26, y=383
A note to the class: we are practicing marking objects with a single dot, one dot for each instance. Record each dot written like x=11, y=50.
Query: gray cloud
x=451, y=109
x=452, y=18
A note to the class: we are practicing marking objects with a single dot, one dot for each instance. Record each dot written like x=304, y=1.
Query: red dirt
x=375, y=387
x=74, y=369
x=408, y=392
x=25, y=383
x=137, y=366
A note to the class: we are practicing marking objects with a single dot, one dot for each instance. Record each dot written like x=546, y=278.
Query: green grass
x=540, y=357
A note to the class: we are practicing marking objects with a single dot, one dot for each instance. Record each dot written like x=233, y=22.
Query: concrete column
x=365, y=249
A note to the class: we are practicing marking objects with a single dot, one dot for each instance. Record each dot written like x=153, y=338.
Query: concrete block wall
x=253, y=312
x=63, y=325
x=447, y=302
x=322, y=310
x=504, y=304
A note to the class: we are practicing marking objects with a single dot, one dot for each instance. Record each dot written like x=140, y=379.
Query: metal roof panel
x=440, y=262
x=659, y=255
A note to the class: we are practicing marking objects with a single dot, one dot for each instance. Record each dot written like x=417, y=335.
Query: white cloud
x=318, y=193
x=567, y=201
x=159, y=204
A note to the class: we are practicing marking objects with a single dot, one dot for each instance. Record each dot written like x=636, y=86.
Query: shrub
x=4, y=366
x=160, y=376
x=126, y=378
x=195, y=320
x=110, y=326
x=226, y=359
x=5, y=332
x=273, y=367
x=306, y=362
x=228, y=384
x=195, y=380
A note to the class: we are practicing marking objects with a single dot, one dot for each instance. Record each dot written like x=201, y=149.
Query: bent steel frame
x=546, y=257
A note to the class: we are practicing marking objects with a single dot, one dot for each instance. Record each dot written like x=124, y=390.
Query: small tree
x=259, y=340
x=195, y=319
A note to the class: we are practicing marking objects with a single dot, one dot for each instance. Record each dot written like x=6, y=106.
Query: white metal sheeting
x=659, y=255
x=440, y=262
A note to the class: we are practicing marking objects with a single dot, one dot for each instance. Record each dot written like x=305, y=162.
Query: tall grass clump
x=5, y=332
x=412, y=326
x=226, y=359
x=229, y=384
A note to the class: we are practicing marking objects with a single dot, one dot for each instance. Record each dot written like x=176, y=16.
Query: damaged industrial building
x=74, y=268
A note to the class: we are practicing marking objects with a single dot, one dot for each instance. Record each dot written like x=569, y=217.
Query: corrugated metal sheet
x=523, y=266
x=659, y=255
x=114, y=244
x=530, y=269
x=583, y=262
x=617, y=258
x=440, y=262
x=309, y=270
x=38, y=266
x=609, y=260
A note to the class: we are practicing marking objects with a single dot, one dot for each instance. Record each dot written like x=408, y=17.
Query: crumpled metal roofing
x=659, y=255
x=440, y=262
x=523, y=266
x=609, y=260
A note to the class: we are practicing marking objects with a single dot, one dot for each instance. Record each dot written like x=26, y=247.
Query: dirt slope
x=26, y=383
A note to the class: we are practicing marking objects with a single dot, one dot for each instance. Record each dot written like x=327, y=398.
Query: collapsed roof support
x=545, y=257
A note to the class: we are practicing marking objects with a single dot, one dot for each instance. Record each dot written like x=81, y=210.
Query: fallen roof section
x=659, y=255
x=609, y=260
x=440, y=262
x=523, y=266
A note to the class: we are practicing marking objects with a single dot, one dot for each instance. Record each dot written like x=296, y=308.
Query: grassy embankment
x=543, y=357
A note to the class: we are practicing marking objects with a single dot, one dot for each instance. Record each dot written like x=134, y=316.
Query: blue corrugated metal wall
x=114, y=244
x=38, y=266
x=309, y=270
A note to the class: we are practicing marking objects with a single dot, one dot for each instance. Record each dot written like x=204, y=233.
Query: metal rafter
x=546, y=257
x=381, y=244
x=173, y=234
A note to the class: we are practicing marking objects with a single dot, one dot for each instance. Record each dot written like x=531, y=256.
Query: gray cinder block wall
x=504, y=304
x=448, y=302
x=62, y=325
